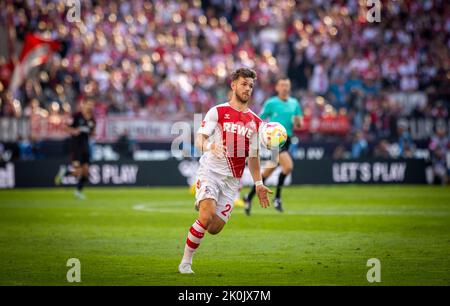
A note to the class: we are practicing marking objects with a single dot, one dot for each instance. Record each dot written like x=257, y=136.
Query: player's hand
x=262, y=192
x=218, y=150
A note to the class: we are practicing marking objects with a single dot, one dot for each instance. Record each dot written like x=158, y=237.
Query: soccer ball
x=273, y=135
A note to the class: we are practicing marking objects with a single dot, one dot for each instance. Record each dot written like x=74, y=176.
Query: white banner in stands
x=140, y=129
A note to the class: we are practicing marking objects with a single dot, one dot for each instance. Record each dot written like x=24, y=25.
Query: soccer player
x=286, y=110
x=227, y=138
x=81, y=128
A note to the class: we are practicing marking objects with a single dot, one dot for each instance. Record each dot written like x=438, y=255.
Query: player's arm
x=298, y=122
x=202, y=140
x=261, y=190
x=254, y=166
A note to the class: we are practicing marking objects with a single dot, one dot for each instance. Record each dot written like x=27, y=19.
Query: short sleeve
x=209, y=123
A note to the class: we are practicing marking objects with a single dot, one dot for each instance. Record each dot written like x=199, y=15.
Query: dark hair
x=283, y=78
x=243, y=72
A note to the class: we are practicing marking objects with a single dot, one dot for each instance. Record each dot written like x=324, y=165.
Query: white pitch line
x=150, y=207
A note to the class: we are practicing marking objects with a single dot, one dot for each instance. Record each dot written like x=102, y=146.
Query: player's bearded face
x=243, y=89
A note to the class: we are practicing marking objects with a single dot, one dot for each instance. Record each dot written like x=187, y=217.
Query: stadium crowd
x=170, y=59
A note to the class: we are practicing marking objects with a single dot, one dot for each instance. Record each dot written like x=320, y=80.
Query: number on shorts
x=227, y=209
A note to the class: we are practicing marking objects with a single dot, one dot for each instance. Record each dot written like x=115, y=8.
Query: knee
x=206, y=220
x=213, y=230
x=288, y=169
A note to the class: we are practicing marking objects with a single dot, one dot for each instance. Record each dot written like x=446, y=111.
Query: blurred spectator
x=299, y=70
x=26, y=149
x=125, y=146
x=439, y=146
x=360, y=146
x=319, y=79
x=170, y=59
x=381, y=150
x=341, y=153
x=338, y=95
x=405, y=142
x=2, y=151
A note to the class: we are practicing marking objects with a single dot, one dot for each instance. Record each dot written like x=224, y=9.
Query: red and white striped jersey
x=237, y=131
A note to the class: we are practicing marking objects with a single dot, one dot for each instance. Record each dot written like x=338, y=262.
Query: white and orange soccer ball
x=272, y=135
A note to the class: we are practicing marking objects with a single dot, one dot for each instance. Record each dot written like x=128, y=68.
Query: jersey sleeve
x=266, y=112
x=209, y=123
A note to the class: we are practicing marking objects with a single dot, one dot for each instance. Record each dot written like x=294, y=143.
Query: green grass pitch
x=135, y=236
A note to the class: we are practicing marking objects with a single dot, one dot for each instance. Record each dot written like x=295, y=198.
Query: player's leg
x=229, y=188
x=249, y=197
x=287, y=165
x=206, y=196
x=207, y=211
x=216, y=225
x=83, y=178
x=73, y=169
x=213, y=215
x=215, y=197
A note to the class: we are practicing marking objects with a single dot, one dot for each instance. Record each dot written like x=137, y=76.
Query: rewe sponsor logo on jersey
x=237, y=129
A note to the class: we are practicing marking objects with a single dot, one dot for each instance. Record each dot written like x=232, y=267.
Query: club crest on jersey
x=238, y=129
x=226, y=116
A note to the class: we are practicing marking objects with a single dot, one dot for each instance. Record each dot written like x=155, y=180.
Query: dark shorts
x=80, y=156
x=287, y=144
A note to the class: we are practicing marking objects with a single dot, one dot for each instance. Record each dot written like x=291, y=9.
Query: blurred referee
x=286, y=110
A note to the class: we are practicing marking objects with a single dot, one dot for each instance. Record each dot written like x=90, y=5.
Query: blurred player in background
x=286, y=110
x=81, y=129
x=233, y=129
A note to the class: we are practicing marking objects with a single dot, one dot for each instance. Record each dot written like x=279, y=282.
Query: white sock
x=195, y=236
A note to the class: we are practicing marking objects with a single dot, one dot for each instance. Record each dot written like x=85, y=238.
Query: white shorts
x=221, y=188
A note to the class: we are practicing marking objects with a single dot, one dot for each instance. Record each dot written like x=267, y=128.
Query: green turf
x=134, y=236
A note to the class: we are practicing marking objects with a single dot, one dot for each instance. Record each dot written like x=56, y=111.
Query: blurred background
x=375, y=95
